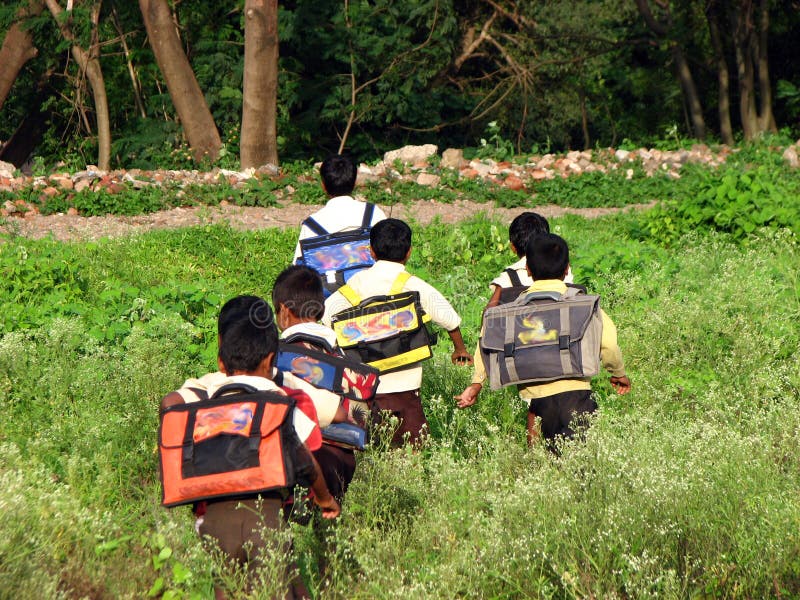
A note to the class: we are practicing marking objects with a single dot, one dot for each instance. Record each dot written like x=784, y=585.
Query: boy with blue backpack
x=309, y=350
x=334, y=241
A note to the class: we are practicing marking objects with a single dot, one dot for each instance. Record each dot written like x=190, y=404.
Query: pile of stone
x=421, y=164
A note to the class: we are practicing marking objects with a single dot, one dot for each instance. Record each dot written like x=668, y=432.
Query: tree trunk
x=91, y=66
x=684, y=73
x=742, y=40
x=259, y=136
x=723, y=76
x=587, y=140
x=195, y=117
x=690, y=94
x=17, y=49
x=766, y=118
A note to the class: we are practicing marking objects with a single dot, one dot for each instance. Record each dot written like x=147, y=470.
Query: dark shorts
x=338, y=466
x=407, y=407
x=560, y=414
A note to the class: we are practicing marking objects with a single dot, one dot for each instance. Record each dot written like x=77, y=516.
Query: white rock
x=428, y=179
x=622, y=155
x=482, y=168
x=7, y=169
x=453, y=158
x=410, y=154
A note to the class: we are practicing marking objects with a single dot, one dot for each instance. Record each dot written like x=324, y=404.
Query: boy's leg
x=407, y=407
x=561, y=414
x=574, y=408
x=236, y=526
x=338, y=466
x=533, y=429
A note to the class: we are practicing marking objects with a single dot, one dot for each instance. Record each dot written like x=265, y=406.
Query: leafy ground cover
x=687, y=487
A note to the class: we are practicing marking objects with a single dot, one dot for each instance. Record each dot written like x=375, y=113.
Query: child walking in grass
x=559, y=404
x=399, y=391
x=298, y=300
x=248, y=341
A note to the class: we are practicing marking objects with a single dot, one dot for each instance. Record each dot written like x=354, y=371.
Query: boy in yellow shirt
x=558, y=403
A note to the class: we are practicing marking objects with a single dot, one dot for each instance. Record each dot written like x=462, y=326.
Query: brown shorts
x=236, y=527
x=407, y=407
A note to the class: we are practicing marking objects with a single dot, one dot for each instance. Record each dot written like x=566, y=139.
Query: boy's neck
x=292, y=320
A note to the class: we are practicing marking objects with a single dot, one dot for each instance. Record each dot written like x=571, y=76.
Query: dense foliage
x=558, y=74
x=686, y=487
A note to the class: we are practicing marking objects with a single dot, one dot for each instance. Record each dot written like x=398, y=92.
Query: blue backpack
x=338, y=256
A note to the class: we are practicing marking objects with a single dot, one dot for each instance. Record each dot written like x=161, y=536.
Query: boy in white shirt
x=248, y=341
x=342, y=212
x=398, y=391
x=298, y=300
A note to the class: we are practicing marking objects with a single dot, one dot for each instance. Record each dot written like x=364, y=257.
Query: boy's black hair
x=390, y=239
x=338, y=174
x=234, y=309
x=525, y=226
x=299, y=288
x=547, y=256
x=247, y=333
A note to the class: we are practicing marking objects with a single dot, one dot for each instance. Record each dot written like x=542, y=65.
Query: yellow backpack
x=386, y=332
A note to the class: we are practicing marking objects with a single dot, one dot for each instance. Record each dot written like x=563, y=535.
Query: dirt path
x=64, y=227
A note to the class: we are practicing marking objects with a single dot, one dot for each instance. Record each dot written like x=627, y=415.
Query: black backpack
x=510, y=294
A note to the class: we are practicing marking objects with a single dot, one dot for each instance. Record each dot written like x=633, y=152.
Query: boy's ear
x=264, y=368
x=221, y=366
x=566, y=272
x=513, y=248
x=528, y=269
x=408, y=255
x=372, y=253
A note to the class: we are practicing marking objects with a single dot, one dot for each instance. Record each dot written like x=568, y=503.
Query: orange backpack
x=230, y=445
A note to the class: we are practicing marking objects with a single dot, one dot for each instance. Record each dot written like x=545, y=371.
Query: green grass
x=687, y=487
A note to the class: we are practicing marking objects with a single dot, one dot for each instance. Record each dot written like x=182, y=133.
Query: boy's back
x=378, y=281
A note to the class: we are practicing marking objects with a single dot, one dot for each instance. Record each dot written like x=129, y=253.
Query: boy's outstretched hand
x=622, y=385
x=329, y=507
x=461, y=357
x=469, y=396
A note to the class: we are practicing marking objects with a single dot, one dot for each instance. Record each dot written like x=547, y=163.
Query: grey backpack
x=541, y=337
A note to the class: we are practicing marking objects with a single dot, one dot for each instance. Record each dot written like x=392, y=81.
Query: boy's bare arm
x=171, y=399
x=469, y=396
x=495, y=299
x=460, y=354
x=322, y=496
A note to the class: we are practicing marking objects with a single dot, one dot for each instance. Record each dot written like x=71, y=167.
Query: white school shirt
x=211, y=382
x=340, y=213
x=521, y=267
x=377, y=281
x=315, y=329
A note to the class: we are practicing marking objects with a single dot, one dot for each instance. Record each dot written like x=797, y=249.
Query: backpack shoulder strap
x=193, y=394
x=369, y=209
x=350, y=295
x=400, y=283
x=312, y=224
x=514, y=277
